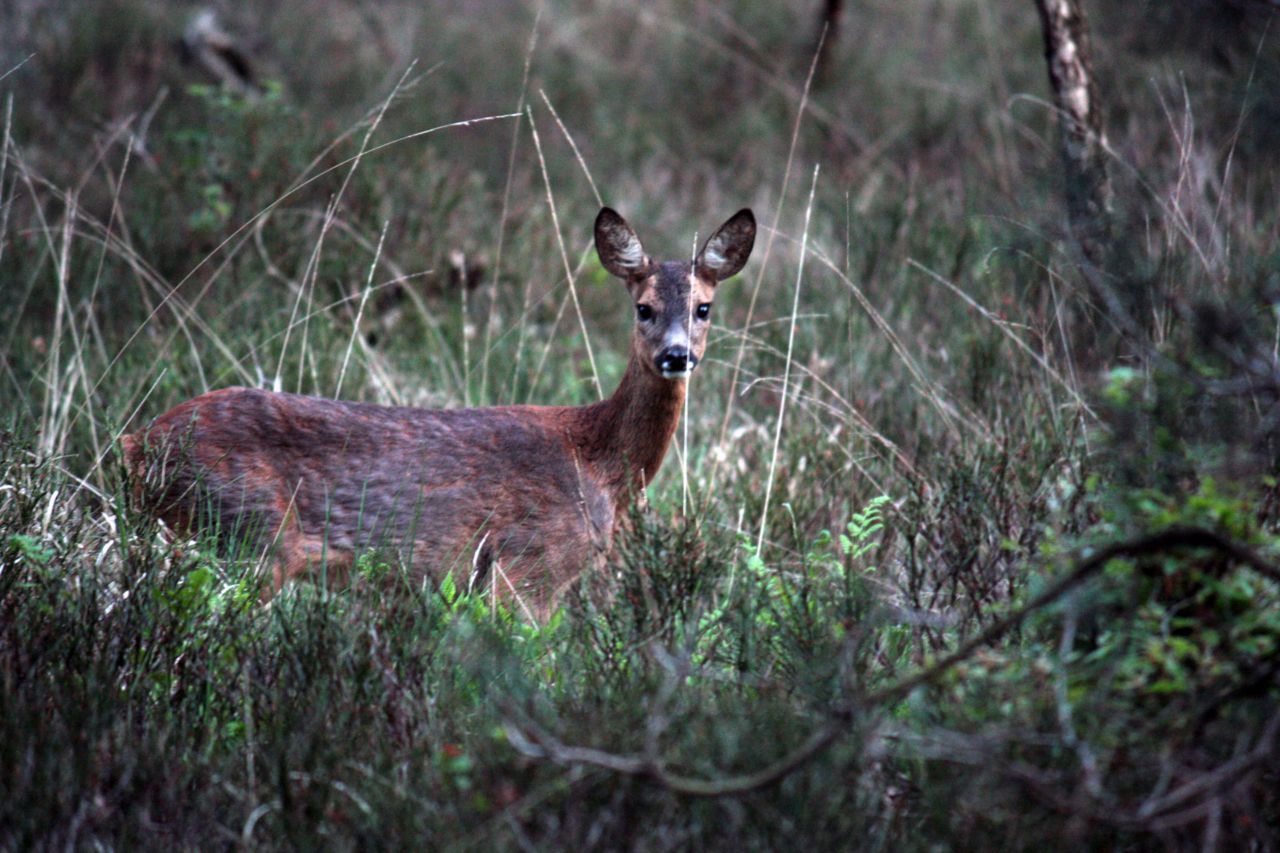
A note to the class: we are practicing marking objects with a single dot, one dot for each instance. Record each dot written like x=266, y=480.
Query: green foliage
x=770, y=616
x=1198, y=623
x=29, y=548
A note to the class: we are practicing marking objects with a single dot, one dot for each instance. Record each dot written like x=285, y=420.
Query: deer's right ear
x=618, y=246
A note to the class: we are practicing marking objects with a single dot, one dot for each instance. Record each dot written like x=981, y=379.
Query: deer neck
x=623, y=439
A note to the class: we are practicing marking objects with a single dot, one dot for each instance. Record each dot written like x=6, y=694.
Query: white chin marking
x=677, y=374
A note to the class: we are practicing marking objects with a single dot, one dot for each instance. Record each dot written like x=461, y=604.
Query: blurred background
x=389, y=201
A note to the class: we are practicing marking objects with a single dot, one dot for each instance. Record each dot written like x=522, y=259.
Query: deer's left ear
x=726, y=251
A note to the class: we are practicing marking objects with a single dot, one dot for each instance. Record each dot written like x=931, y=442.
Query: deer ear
x=618, y=246
x=726, y=251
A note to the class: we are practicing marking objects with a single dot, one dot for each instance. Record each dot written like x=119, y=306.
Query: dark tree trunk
x=828, y=24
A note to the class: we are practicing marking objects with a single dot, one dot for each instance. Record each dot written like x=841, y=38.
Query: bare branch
x=535, y=743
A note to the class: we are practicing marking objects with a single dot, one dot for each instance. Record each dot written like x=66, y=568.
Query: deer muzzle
x=676, y=362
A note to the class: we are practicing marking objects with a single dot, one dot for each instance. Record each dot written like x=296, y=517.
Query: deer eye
x=704, y=310
x=644, y=312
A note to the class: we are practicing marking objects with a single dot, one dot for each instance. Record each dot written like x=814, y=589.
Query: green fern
x=863, y=528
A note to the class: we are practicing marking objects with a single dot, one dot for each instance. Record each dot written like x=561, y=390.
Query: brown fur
x=519, y=499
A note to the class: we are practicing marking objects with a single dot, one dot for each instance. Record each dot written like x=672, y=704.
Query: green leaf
x=30, y=548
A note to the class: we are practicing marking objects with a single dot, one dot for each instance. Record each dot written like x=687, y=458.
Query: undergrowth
x=1016, y=580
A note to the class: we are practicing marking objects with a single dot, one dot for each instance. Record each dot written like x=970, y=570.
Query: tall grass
x=910, y=420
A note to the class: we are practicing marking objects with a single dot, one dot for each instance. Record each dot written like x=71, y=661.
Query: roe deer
x=525, y=497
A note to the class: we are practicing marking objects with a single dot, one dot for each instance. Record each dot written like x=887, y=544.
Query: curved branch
x=543, y=745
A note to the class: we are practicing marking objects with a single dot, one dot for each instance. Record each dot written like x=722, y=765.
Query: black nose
x=676, y=360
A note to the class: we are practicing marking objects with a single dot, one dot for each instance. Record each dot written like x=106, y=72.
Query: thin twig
x=764, y=261
x=364, y=298
x=786, y=369
x=506, y=208
x=564, y=255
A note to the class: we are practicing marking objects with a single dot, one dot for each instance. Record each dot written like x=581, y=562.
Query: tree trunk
x=825, y=37
x=1107, y=262
x=1088, y=187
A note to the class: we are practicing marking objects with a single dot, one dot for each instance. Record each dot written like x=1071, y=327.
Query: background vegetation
x=1015, y=582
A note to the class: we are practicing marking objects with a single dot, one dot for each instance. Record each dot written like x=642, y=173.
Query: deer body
x=523, y=499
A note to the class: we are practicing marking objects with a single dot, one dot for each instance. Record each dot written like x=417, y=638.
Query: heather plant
x=949, y=549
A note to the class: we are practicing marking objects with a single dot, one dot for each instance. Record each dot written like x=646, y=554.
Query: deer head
x=673, y=299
